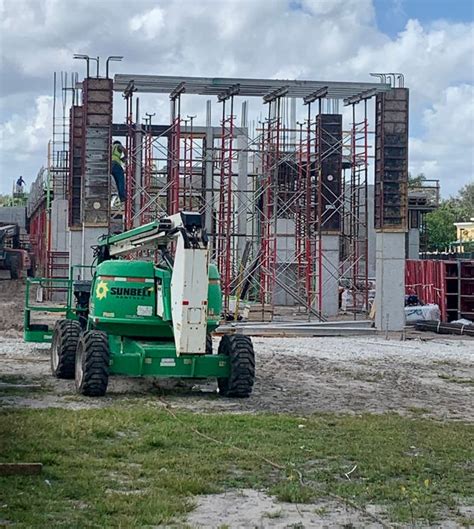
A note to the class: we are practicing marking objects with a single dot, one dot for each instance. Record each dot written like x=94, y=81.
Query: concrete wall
x=13, y=215
x=75, y=248
x=59, y=221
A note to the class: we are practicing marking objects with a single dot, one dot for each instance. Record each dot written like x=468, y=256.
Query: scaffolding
x=270, y=193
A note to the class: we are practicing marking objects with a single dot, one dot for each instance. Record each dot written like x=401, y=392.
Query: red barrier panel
x=429, y=281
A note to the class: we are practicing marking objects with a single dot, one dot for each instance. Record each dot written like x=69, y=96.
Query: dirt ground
x=427, y=375
x=300, y=375
x=244, y=508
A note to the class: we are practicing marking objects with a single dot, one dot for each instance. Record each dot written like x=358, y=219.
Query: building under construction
x=279, y=169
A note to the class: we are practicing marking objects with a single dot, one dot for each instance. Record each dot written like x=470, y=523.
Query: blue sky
x=392, y=15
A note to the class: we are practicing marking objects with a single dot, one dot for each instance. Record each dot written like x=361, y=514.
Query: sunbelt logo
x=131, y=292
x=101, y=290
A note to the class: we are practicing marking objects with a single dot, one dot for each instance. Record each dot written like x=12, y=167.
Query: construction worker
x=19, y=185
x=119, y=155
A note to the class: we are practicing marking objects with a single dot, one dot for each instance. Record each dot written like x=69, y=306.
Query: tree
x=416, y=181
x=440, y=227
x=440, y=223
x=466, y=202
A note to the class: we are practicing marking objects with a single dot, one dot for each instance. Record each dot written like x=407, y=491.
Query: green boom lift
x=136, y=318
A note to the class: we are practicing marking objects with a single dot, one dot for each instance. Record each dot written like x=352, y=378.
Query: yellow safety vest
x=117, y=154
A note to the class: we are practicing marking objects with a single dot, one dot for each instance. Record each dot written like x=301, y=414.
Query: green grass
x=137, y=466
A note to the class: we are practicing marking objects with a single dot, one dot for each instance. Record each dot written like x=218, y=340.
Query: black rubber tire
x=31, y=271
x=242, y=366
x=208, y=344
x=63, y=348
x=15, y=267
x=92, y=364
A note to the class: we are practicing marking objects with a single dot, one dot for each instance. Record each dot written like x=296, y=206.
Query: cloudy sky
x=430, y=41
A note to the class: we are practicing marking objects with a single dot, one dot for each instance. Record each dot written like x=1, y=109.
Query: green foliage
x=440, y=226
x=416, y=181
x=466, y=201
x=136, y=466
x=440, y=223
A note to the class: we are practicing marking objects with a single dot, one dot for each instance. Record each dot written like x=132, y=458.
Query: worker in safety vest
x=119, y=155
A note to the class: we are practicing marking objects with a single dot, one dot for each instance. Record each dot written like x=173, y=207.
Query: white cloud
x=23, y=137
x=149, y=23
x=312, y=39
x=445, y=149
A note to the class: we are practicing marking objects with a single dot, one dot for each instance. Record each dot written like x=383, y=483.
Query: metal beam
x=275, y=94
x=357, y=98
x=247, y=87
x=227, y=94
x=178, y=90
x=318, y=94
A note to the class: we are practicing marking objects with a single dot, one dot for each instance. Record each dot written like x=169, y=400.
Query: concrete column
x=59, y=243
x=330, y=275
x=413, y=243
x=75, y=249
x=390, y=281
x=371, y=231
x=138, y=166
x=208, y=169
x=285, y=265
x=242, y=191
x=293, y=123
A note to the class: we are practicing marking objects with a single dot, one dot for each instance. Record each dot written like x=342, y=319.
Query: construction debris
x=293, y=329
x=446, y=328
x=20, y=469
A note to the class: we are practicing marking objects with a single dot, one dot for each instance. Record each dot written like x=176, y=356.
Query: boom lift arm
x=189, y=266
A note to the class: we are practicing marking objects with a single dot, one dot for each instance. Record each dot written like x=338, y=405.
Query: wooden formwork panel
x=391, y=160
x=96, y=144
x=329, y=138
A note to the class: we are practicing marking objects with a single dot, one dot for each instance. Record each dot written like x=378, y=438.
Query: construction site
x=267, y=262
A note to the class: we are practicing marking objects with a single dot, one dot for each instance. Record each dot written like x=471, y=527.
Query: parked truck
x=12, y=257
